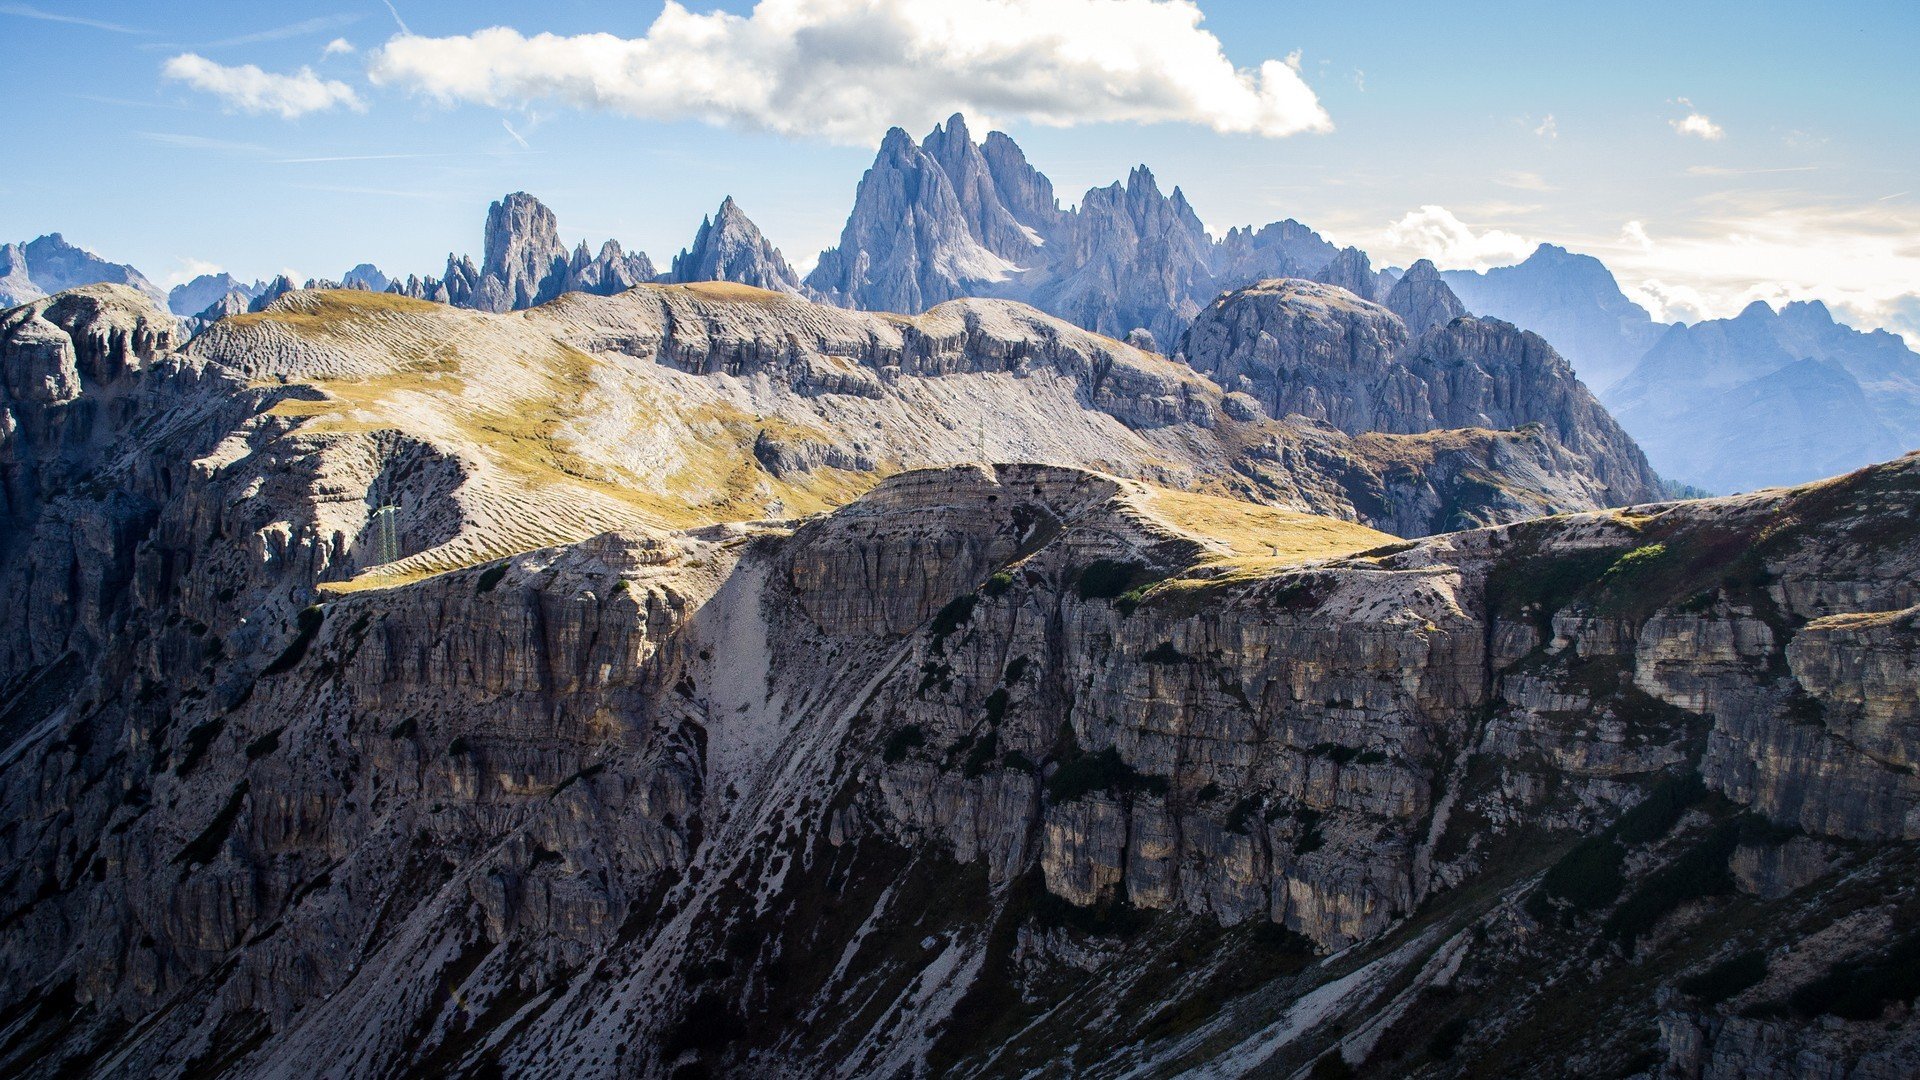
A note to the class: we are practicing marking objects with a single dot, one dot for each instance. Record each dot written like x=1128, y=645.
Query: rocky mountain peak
x=730, y=247
x=1350, y=270
x=1571, y=299
x=523, y=261
x=49, y=264
x=1422, y=299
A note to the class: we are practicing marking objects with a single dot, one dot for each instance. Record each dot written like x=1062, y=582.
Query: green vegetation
x=903, y=742
x=1107, y=579
x=199, y=738
x=1165, y=653
x=1085, y=774
x=1727, y=978
x=491, y=576
x=1700, y=872
x=956, y=614
x=1585, y=878
x=264, y=745
x=203, y=848
x=1861, y=988
x=996, y=705
x=1655, y=816
x=981, y=755
x=998, y=584
x=308, y=624
x=1447, y=1038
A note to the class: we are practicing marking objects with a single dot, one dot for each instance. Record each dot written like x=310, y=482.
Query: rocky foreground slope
x=988, y=771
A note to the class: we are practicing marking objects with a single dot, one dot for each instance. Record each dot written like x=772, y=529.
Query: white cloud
x=1696, y=123
x=189, y=269
x=848, y=69
x=252, y=90
x=516, y=135
x=337, y=46
x=1549, y=128
x=1635, y=233
x=1738, y=247
x=1433, y=232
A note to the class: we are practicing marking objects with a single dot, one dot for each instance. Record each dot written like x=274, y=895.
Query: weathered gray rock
x=1013, y=737
x=1422, y=299
x=730, y=247
x=1318, y=351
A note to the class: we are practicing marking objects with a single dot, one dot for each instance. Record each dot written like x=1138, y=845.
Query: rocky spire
x=907, y=245
x=524, y=263
x=730, y=247
x=1349, y=270
x=1423, y=300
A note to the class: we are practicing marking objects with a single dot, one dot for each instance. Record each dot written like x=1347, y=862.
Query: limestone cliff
x=1319, y=351
x=993, y=770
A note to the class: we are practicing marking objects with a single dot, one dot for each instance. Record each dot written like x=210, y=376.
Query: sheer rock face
x=730, y=247
x=1318, y=351
x=1422, y=299
x=987, y=735
x=907, y=246
x=523, y=261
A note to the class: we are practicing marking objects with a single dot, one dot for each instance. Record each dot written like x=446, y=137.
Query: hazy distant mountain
x=1571, y=300
x=1769, y=398
x=947, y=218
x=730, y=247
x=48, y=264
x=194, y=297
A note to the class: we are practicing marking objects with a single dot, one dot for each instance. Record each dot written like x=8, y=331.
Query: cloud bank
x=1434, y=232
x=252, y=90
x=846, y=70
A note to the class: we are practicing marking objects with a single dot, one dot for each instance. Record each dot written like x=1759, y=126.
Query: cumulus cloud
x=1696, y=123
x=848, y=69
x=189, y=269
x=337, y=46
x=1635, y=233
x=1434, y=232
x=252, y=90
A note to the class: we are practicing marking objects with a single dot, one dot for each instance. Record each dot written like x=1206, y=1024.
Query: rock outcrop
x=1318, y=351
x=315, y=751
x=1422, y=299
x=730, y=247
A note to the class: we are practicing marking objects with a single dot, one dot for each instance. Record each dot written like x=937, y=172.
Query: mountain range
x=948, y=217
x=704, y=681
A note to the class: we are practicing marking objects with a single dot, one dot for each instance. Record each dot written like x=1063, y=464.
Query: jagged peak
x=896, y=143
x=1757, y=310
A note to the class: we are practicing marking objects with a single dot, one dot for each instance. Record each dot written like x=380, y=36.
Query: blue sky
x=1465, y=132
